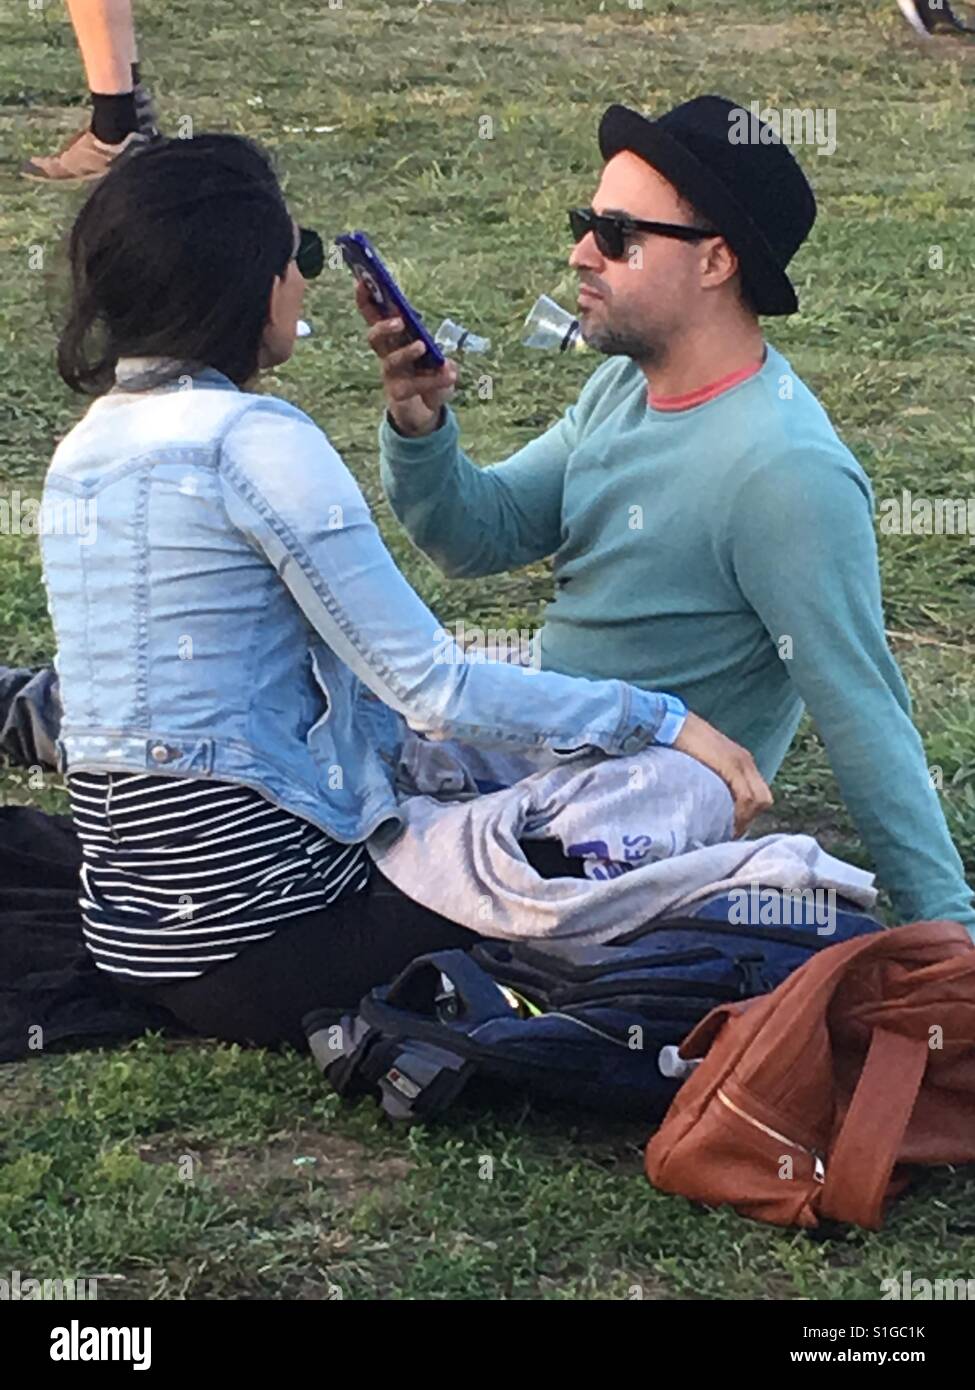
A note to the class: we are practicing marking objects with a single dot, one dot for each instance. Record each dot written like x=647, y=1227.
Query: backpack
x=812, y=1102
x=595, y=1026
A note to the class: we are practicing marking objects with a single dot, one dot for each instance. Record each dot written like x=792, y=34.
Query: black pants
x=325, y=959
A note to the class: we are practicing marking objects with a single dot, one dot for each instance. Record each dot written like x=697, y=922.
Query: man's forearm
x=473, y=521
x=879, y=762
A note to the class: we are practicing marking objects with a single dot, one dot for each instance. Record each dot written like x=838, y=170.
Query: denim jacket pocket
x=322, y=684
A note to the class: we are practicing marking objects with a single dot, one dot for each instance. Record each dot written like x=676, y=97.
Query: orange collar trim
x=703, y=393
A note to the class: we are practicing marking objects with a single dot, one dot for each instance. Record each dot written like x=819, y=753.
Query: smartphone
x=366, y=265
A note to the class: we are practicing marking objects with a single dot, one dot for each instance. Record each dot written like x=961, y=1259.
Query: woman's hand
x=733, y=764
x=414, y=395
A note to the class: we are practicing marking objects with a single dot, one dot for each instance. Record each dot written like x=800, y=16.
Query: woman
x=239, y=656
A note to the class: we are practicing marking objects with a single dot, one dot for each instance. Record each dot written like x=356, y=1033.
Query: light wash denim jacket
x=224, y=607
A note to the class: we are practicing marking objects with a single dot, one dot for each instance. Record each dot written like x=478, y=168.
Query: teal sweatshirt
x=724, y=553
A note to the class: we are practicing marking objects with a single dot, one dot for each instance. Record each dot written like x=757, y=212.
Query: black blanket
x=50, y=991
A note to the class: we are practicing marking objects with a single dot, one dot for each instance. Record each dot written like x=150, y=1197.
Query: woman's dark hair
x=174, y=255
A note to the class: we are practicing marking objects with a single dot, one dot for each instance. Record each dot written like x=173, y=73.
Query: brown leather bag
x=812, y=1100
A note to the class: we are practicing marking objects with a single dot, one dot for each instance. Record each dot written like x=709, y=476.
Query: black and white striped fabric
x=179, y=874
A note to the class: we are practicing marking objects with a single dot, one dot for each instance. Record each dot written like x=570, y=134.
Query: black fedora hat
x=753, y=190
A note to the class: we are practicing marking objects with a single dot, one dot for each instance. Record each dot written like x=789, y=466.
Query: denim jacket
x=225, y=607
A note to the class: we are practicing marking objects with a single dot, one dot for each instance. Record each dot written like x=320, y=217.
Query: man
x=711, y=534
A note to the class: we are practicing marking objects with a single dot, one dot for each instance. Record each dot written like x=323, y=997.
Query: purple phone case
x=366, y=264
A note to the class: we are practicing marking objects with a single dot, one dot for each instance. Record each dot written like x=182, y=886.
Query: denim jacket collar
x=129, y=370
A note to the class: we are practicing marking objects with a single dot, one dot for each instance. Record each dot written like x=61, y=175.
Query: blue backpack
x=595, y=1026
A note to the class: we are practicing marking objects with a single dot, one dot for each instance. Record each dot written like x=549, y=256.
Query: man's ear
x=720, y=263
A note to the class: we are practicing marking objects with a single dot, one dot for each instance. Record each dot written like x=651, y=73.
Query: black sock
x=113, y=117
x=136, y=79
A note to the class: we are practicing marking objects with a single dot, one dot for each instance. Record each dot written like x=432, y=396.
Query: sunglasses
x=610, y=233
x=310, y=255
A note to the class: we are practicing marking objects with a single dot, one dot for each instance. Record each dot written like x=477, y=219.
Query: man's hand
x=733, y=764
x=414, y=396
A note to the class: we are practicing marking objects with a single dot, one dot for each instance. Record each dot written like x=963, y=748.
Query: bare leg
x=122, y=113
x=105, y=31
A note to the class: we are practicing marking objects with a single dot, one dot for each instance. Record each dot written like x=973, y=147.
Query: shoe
x=83, y=159
x=926, y=17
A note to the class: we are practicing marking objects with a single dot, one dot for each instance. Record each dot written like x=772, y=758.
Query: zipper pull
x=672, y=1064
x=751, y=981
x=446, y=1002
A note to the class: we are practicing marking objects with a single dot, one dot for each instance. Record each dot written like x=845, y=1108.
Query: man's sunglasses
x=310, y=255
x=611, y=232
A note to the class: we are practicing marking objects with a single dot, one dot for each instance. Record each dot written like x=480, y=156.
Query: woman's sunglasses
x=310, y=256
x=610, y=233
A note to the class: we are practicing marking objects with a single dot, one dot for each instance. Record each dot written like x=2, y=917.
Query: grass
x=199, y=1171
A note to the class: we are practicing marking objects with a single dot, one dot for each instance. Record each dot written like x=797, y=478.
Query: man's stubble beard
x=646, y=349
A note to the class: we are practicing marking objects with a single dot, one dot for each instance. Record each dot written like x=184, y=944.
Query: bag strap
x=418, y=991
x=863, y=1153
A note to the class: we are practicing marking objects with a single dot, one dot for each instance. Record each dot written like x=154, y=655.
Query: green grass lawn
x=191, y=1170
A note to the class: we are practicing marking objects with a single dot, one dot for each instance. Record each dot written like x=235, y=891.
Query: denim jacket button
x=159, y=753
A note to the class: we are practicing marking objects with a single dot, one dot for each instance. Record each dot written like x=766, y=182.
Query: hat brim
x=770, y=288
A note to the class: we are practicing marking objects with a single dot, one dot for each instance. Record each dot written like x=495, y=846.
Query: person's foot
x=927, y=17
x=81, y=160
